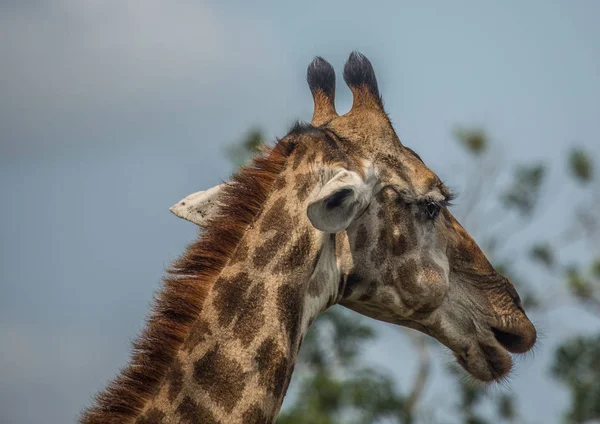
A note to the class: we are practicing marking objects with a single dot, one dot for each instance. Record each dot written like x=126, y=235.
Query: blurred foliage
x=473, y=140
x=506, y=407
x=241, y=153
x=471, y=395
x=595, y=268
x=577, y=365
x=366, y=397
x=543, y=254
x=522, y=195
x=577, y=283
x=346, y=334
x=584, y=283
x=332, y=384
x=581, y=166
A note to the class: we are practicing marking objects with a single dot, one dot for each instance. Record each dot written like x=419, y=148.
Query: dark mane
x=185, y=288
x=301, y=128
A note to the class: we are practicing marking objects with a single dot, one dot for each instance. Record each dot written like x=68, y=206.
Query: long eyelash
x=450, y=196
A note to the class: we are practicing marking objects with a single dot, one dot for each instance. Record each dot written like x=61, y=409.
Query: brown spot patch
x=276, y=218
x=269, y=250
x=406, y=240
x=255, y=415
x=382, y=196
x=152, y=416
x=388, y=276
x=221, y=377
x=272, y=366
x=302, y=186
x=400, y=245
x=298, y=155
x=298, y=254
x=229, y=297
x=198, y=334
x=175, y=378
x=406, y=275
x=280, y=183
x=241, y=253
x=332, y=153
x=250, y=317
x=191, y=413
x=362, y=237
x=289, y=304
x=379, y=254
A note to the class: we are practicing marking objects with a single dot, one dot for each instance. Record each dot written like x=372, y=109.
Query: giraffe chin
x=485, y=361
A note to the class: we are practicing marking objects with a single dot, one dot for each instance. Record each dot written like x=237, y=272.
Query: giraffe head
x=401, y=256
x=405, y=258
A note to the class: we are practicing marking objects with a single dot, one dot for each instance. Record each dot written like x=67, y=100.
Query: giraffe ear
x=340, y=200
x=198, y=207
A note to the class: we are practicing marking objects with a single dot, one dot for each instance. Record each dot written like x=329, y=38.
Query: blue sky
x=112, y=111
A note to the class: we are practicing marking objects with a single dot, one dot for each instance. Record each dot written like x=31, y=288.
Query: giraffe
x=339, y=211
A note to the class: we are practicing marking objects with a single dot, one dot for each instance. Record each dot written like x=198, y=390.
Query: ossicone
x=360, y=77
x=321, y=81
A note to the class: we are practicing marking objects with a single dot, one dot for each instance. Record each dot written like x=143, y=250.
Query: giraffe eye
x=432, y=209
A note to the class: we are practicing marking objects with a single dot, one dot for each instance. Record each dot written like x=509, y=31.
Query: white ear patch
x=339, y=201
x=198, y=207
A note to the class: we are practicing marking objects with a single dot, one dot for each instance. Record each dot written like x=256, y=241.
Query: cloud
x=76, y=66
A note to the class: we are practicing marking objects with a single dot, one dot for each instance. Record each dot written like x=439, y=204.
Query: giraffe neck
x=237, y=361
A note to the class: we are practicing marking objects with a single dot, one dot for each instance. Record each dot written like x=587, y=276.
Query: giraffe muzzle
x=518, y=338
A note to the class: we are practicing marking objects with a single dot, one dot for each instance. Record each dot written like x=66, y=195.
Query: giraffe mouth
x=489, y=358
x=484, y=353
x=485, y=361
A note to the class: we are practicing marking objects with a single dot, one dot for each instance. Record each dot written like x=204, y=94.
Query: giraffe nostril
x=508, y=340
x=516, y=341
